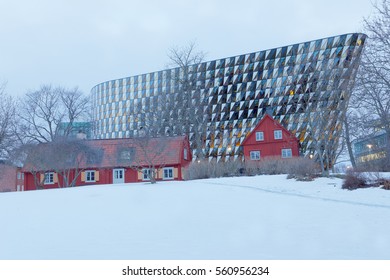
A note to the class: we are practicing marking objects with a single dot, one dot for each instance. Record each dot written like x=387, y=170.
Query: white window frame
x=254, y=155
x=169, y=170
x=278, y=134
x=146, y=173
x=259, y=135
x=286, y=153
x=48, y=178
x=89, y=177
x=185, y=154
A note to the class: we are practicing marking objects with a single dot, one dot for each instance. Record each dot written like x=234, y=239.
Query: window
x=90, y=176
x=185, y=155
x=127, y=154
x=49, y=178
x=146, y=174
x=286, y=153
x=19, y=175
x=259, y=136
x=277, y=134
x=168, y=173
x=255, y=155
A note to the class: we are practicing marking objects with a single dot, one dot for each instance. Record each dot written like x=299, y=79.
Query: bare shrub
x=303, y=169
x=272, y=166
x=212, y=169
x=354, y=180
x=298, y=168
x=386, y=185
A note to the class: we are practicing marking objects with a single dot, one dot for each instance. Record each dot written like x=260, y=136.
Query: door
x=118, y=175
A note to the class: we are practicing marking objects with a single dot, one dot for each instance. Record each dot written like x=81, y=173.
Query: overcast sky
x=83, y=43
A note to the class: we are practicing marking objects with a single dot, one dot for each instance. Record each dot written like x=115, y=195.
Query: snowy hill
x=261, y=217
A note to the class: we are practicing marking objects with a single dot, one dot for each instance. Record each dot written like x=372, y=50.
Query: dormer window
x=277, y=134
x=259, y=136
x=127, y=154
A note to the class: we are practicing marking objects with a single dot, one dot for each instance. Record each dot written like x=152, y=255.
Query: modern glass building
x=295, y=84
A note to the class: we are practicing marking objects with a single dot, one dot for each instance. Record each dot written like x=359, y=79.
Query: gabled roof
x=138, y=151
x=266, y=118
x=119, y=152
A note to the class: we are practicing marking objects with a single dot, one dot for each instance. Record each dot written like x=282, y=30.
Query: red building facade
x=11, y=178
x=120, y=161
x=270, y=138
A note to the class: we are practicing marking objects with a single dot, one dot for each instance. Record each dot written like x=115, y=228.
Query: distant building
x=117, y=161
x=81, y=130
x=11, y=178
x=270, y=138
x=372, y=149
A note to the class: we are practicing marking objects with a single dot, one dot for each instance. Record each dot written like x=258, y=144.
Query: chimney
x=81, y=135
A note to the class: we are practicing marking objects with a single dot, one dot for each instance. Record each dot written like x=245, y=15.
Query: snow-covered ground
x=261, y=217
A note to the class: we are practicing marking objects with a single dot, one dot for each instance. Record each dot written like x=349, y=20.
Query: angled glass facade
x=291, y=83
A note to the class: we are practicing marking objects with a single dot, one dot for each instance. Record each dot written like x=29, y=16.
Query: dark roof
x=137, y=151
x=107, y=153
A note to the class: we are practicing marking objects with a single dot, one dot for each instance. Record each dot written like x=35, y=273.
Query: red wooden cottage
x=270, y=138
x=113, y=161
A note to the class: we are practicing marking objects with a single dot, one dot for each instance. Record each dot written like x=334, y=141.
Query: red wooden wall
x=270, y=146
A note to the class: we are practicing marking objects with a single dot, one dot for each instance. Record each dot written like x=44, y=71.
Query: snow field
x=260, y=217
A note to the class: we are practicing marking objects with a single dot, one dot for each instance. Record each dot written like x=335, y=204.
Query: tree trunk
x=349, y=142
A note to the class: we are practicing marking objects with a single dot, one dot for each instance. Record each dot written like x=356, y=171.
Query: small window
x=19, y=175
x=277, y=134
x=255, y=155
x=146, y=174
x=49, y=178
x=185, y=155
x=259, y=136
x=127, y=154
x=168, y=173
x=286, y=153
x=90, y=176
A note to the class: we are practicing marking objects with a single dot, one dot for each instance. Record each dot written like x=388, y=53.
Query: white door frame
x=116, y=178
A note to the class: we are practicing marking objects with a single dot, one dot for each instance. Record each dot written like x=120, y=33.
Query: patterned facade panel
x=295, y=84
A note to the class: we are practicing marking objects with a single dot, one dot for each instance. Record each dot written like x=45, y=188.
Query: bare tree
x=322, y=142
x=7, y=121
x=41, y=113
x=76, y=106
x=66, y=157
x=149, y=154
x=183, y=113
x=347, y=135
x=33, y=160
x=371, y=98
x=355, y=126
x=43, y=110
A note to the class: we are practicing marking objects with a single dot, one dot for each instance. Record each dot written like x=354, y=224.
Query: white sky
x=83, y=43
